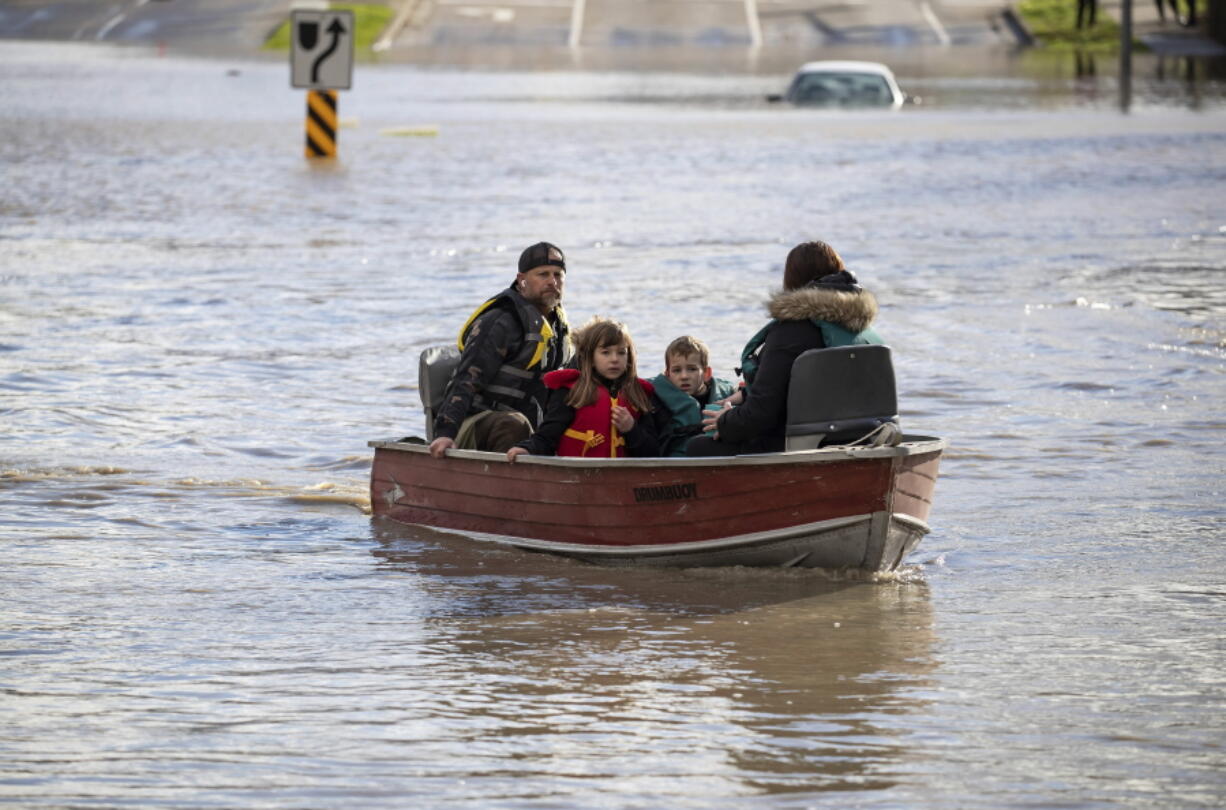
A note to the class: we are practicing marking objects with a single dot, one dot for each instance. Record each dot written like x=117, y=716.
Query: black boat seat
x=840, y=396
x=434, y=370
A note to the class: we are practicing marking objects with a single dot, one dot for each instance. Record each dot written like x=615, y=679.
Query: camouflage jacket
x=506, y=347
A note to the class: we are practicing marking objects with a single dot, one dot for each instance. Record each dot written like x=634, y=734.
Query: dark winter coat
x=758, y=424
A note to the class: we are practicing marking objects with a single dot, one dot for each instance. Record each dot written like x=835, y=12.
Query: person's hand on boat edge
x=439, y=447
x=516, y=451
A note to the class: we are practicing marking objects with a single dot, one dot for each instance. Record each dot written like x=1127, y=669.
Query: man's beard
x=546, y=300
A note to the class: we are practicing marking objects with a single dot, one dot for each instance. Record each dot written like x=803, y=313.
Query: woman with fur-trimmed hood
x=821, y=305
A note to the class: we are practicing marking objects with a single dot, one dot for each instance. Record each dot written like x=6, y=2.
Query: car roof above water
x=843, y=69
x=845, y=66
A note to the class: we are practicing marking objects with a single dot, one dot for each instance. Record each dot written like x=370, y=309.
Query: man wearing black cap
x=496, y=398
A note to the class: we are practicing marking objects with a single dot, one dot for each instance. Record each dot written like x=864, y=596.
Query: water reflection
x=1084, y=64
x=777, y=681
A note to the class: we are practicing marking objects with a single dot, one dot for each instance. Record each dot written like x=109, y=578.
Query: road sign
x=321, y=49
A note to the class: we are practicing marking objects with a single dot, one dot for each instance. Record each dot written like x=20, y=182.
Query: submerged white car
x=843, y=84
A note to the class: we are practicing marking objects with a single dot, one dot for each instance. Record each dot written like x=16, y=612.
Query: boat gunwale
x=910, y=446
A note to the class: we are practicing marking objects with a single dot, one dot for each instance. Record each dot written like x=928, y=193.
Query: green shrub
x=369, y=20
x=1054, y=23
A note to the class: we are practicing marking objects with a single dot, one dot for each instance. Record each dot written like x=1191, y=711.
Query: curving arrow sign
x=321, y=62
x=336, y=30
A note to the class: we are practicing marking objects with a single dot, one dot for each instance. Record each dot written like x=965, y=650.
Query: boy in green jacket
x=685, y=387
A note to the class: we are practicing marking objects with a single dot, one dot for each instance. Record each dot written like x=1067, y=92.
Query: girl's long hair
x=596, y=334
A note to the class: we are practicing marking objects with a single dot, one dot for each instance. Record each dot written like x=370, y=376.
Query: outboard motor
x=434, y=370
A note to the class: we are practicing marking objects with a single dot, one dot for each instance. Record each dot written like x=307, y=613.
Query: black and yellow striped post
x=321, y=124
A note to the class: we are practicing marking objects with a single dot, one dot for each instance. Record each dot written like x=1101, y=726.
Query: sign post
x=1126, y=55
x=321, y=60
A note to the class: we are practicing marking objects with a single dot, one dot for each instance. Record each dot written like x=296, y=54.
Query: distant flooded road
x=199, y=331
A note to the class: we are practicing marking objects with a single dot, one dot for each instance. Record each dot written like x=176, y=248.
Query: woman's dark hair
x=808, y=262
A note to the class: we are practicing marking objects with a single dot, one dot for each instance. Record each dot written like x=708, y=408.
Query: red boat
x=840, y=507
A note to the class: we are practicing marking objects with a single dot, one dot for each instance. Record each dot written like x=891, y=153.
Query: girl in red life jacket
x=600, y=409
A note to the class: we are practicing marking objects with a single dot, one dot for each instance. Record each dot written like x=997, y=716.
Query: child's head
x=687, y=364
x=605, y=346
x=604, y=349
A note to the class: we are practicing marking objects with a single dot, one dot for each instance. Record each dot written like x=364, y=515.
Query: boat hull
x=837, y=508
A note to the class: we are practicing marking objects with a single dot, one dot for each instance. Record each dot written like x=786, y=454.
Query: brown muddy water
x=199, y=332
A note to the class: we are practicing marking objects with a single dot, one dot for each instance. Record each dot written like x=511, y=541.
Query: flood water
x=199, y=331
